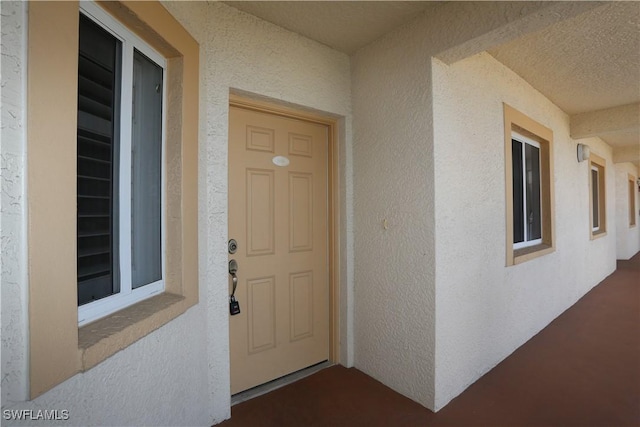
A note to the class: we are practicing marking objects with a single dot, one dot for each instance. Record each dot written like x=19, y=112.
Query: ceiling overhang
x=583, y=56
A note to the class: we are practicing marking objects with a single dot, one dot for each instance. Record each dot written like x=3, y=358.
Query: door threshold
x=277, y=383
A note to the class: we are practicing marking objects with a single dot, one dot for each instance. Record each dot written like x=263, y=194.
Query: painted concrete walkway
x=581, y=370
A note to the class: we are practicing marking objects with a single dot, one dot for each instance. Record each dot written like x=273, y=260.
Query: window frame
x=519, y=123
x=58, y=348
x=126, y=296
x=595, y=207
x=524, y=140
x=598, y=164
x=632, y=200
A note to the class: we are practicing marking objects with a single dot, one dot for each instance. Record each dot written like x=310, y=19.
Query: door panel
x=301, y=293
x=261, y=313
x=260, y=208
x=278, y=215
x=300, y=212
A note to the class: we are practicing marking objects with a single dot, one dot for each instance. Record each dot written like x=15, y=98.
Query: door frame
x=333, y=201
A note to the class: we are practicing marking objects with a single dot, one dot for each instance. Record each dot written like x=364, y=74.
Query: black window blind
x=97, y=149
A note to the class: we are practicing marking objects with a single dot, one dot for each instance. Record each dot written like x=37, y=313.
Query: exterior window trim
x=58, y=348
x=598, y=164
x=519, y=123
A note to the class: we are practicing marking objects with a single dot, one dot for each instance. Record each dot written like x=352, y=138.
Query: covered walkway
x=581, y=370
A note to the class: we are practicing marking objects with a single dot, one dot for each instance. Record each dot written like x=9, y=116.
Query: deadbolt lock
x=233, y=246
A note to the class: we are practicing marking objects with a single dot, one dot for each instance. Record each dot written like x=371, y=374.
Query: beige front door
x=278, y=216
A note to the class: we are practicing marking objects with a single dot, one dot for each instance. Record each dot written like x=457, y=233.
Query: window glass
x=595, y=201
x=532, y=160
x=146, y=183
x=632, y=201
x=527, y=221
x=518, y=197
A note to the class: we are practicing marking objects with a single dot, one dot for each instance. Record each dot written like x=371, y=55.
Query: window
x=119, y=167
x=527, y=225
x=632, y=200
x=59, y=347
x=597, y=199
x=529, y=191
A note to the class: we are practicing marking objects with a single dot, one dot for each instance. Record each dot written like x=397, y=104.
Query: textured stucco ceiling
x=343, y=25
x=587, y=63
x=623, y=138
x=626, y=145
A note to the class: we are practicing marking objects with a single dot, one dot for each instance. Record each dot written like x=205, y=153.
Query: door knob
x=233, y=269
x=234, y=306
x=233, y=266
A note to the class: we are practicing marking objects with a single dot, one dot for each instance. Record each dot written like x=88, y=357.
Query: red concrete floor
x=581, y=370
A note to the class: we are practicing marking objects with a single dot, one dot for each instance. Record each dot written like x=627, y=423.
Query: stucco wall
x=484, y=309
x=395, y=305
x=13, y=203
x=179, y=374
x=393, y=205
x=627, y=238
